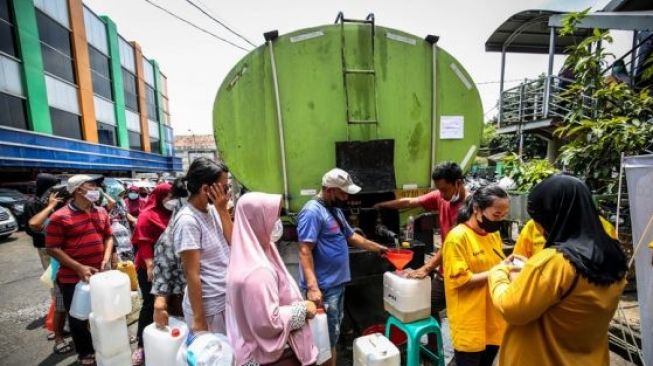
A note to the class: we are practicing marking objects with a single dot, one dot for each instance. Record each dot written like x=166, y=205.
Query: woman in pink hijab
x=266, y=316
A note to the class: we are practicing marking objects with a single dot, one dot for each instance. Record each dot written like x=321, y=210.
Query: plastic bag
x=49, y=319
x=46, y=277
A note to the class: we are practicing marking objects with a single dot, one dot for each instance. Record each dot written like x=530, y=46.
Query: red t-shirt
x=79, y=234
x=433, y=201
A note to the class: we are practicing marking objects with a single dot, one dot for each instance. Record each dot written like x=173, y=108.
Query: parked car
x=8, y=224
x=15, y=202
x=27, y=188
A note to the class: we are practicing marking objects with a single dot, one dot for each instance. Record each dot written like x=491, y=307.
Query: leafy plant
x=527, y=174
x=606, y=118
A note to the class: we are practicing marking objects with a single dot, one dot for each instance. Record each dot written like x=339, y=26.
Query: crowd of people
x=218, y=268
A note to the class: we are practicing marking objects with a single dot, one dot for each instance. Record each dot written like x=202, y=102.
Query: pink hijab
x=260, y=291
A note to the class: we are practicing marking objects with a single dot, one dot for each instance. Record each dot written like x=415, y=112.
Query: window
x=135, y=140
x=131, y=95
x=56, y=48
x=127, y=59
x=106, y=134
x=96, y=31
x=66, y=124
x=100, y=73
x=10, y=76
x=57, y=9
x=155, y=145
x=7, y=40
x=148, y=72
x=12, y=111
x=150, y=101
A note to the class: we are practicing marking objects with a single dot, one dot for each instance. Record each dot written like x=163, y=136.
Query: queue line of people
x=194, y=261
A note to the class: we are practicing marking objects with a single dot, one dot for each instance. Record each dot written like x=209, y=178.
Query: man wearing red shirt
x=449, y=195
x=79, y=236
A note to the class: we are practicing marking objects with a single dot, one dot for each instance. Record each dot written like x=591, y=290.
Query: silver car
x=8, y=224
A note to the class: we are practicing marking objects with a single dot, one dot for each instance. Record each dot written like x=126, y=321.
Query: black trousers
x=483, y=358
x=146, y=316
x=78, y=328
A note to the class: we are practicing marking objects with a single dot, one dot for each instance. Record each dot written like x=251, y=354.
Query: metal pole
x=503, y=74
x=621, y=171
x=547, y=84
x=434, y=111
x=633, y=57
x=521, y=123
x=282, y=143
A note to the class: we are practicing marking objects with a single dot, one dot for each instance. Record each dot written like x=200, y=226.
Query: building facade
x=191, y=147
x=77, y=96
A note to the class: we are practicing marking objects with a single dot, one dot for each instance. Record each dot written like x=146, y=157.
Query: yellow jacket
x=474, y=322
x=531, y=240
x=545, y=327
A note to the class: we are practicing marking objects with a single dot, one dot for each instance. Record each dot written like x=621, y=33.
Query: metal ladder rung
x=360, y=71
x=362, y=21
x=363, y=122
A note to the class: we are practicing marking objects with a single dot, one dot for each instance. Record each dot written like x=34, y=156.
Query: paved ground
x=24, y=302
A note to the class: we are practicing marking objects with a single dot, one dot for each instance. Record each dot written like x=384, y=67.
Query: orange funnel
x=399, y=257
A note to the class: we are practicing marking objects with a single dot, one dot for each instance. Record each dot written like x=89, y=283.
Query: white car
x=8, y=224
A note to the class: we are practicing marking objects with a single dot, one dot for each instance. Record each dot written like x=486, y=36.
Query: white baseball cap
x=76, y=181
x=338, y=178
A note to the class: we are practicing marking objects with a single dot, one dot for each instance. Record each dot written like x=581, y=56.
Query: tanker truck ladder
x=363, y=71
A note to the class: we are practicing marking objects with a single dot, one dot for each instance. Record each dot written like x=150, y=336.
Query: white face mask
x=132, y=195
x=170, y=205
x=277, y=231
x=92, y=196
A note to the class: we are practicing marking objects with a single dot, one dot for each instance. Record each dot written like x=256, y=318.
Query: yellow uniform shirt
x=531, y=240
x=474, y=322
x=545, y=329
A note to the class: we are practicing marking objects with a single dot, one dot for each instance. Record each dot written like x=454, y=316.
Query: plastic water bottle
x=410, y=228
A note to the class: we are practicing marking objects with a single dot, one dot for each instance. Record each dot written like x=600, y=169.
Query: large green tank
x=349, y=81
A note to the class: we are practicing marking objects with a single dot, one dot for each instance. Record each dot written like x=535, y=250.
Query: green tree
x=606, y=118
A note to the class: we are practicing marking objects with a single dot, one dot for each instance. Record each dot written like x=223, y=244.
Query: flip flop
x=62, y=348
x=51, y=336
x=86, y=361
x=138, y=357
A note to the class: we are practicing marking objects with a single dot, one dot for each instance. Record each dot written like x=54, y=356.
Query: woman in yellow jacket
x=471, y=249
x=531, y=238
x=559, y=307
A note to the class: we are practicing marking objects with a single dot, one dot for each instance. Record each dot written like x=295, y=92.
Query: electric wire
x=220, y=22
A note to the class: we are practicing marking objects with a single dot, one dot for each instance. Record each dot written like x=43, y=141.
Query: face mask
x=92, y=196
x=277, y=231
x=132, y=196
x=170, y=205
x=456, y=197
x=488, y=225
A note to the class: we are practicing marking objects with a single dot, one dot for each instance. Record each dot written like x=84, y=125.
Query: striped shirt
x=79, y=234
x=196, y=230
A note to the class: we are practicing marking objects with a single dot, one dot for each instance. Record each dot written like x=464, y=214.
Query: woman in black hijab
x=559, y=307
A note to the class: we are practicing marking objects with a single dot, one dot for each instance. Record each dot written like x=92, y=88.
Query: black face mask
x=489, y=225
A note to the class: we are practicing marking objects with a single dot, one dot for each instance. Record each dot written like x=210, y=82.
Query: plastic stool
x=414, y=332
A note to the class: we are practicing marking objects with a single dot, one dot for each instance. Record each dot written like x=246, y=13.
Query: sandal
x=86, y=361
x=62, y=348
x=51, y=336
x=138, y=357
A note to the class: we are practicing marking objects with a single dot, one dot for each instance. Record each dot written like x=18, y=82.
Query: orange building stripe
x=83, y=70
x=140, y=87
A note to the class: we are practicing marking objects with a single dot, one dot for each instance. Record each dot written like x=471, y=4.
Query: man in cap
x=323, y=252
x=79, y=237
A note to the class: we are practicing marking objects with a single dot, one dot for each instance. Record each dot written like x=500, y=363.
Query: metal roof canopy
x=628, y=5
x=528, y=32
x=623, y=20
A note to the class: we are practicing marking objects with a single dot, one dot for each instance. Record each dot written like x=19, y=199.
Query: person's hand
x=419, y=273
x=378, y=205
x=219, y=197
x=381, y=249
x=199, y=325
x=315, y=295
x=150, y=273
x=513, y=276
x=54, y=200
x=510, y=262
x=160, y=317
x=105, y=265
x=85, y=272
x=311, y=309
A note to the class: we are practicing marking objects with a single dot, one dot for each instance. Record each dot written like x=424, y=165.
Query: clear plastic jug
x=124, y=358
x=110, y=337
x=162, y=345
x=110, y=295
x=320, y=329
x=206, y=349
x=80, y=307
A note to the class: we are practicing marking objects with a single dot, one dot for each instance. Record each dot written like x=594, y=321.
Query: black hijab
x=563, y=206
x=44, y=181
